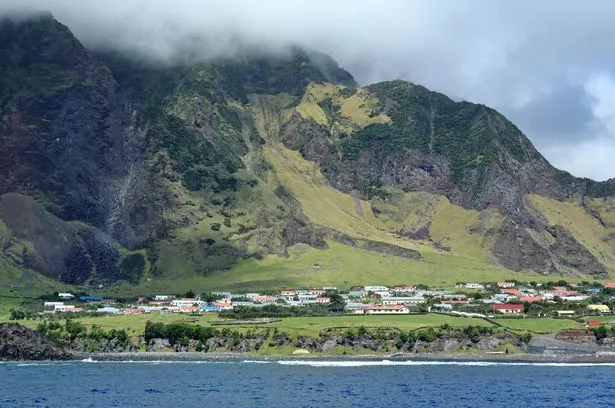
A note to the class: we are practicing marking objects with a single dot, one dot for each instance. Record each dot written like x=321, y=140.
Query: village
x=507, y=298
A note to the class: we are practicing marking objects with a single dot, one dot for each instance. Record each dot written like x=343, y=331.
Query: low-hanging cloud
x=548, y=65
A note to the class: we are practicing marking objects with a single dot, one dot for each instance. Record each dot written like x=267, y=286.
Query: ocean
x=304, y=384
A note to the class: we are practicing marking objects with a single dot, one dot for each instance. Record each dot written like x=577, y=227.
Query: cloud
x=545, y=64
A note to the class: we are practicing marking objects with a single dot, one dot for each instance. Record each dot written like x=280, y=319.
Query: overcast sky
x=548, y=65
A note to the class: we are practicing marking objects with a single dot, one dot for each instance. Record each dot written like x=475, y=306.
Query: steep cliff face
x=134, y=171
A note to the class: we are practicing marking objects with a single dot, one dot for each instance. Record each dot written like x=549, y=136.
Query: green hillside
x=267, y=171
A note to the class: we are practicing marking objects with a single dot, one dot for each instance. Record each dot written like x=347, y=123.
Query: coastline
x=520, y=358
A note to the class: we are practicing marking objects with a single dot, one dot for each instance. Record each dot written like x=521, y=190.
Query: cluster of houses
x=501, y=298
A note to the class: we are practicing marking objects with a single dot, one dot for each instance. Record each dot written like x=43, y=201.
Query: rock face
x=20, y=343
x=126, y=169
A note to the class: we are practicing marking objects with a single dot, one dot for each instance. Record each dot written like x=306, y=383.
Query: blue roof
x=90, y=298
x=207, y=308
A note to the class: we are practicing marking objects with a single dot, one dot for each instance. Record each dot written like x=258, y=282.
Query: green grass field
x=309, y=326
x=542, y=325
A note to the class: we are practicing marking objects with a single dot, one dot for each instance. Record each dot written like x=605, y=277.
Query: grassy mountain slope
x=269, y=171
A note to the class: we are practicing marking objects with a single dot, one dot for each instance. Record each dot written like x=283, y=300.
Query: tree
x=336, y=303
x=600, y=332
x=210, y=297
x=17, y=314
x=190, y=294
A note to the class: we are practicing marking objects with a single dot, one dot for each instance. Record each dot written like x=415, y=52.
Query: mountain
x=268, y=170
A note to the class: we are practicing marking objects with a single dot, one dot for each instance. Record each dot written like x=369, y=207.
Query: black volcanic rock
x=20, y=343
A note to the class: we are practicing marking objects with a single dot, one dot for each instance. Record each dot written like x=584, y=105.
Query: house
x=514, y=292
x=264, y=299
x=472, y=285
x=186, y=302
x=52, y=305
x=453, y=296
x=224, y=305
x=107, y=302
x=108, y=310
x=505, y=285
x=442, y=306
x=565, y=313
x=68, y=309
x=306, y=296
x=163, y=297
x=66, y=295
x=189, y=309
x=402, y=300
x=375, y=288
x=354, y=306
x=323, y=300
x=531, y=299
x=455, y=302
x=132, y=310
x=578, y=298
x=592, y=324
x=317, y=292
x=356, y=294
x=602, y=309
x=403, y=289
x=207, y=308
x=288, y=295
x=152, y=309
x=86, y=298
x=395, y=309
x=609, y=285
x=507, y=308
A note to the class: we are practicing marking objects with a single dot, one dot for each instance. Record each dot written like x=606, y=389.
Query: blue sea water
x=297, y=384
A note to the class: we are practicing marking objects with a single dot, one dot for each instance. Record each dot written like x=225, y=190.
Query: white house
x=306, y=296
x=52, y=305
x=404, y=289
x=66, y=295
x=473, y=285
x=375, y=310
x=163, y=297
x=108, y=309
x=402, y=300
x=376, y=288
x=186, y=302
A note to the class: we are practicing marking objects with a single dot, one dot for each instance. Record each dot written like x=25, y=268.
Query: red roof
x=594, y=323
x=515, y=292
x=507, y=306
x=531, y=299
x=609, y=285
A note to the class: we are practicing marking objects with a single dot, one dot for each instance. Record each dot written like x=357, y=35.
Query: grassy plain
x=539, y=325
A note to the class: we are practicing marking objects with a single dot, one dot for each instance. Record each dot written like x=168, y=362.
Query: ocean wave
x=323, y=363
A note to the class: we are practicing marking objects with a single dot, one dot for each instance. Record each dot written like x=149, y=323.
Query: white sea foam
x=321, y=363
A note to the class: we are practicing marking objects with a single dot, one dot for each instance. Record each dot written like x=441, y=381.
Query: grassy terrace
x=311, y=326
x=539, y=326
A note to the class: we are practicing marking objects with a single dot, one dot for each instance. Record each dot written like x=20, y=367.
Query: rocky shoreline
x=520, y=358
x=20, y=343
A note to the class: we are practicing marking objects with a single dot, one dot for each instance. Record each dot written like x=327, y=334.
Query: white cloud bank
x=548, y=65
